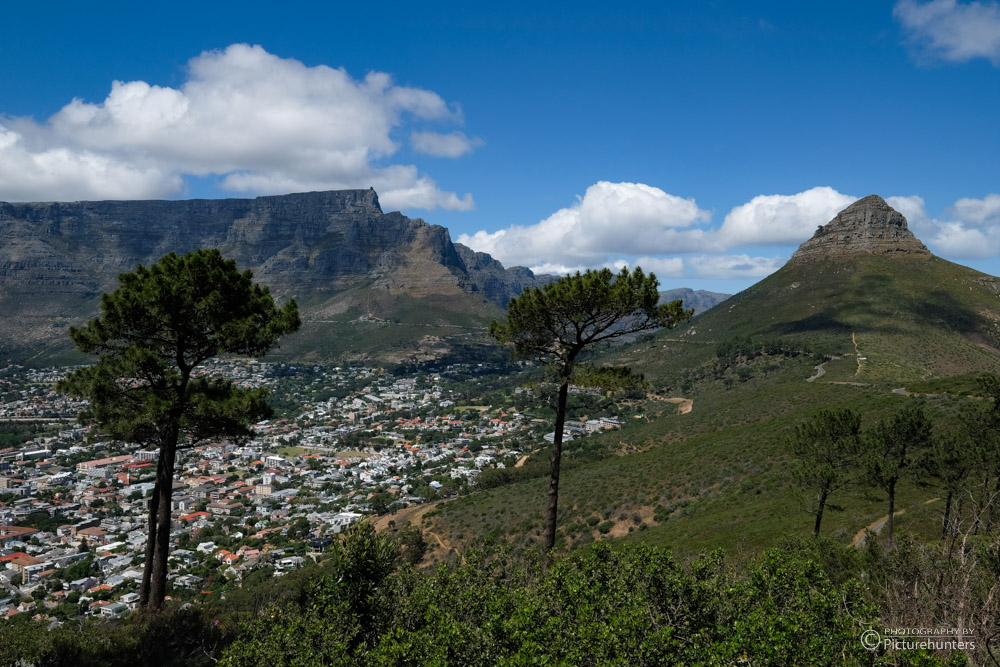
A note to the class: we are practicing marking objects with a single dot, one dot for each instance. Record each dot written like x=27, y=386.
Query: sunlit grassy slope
x=717, y=477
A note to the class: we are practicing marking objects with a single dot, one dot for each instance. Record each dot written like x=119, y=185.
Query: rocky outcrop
x=869, y=225
x=494, y=281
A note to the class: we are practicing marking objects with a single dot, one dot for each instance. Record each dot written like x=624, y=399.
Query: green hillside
x=718, y=475
x=913, y=317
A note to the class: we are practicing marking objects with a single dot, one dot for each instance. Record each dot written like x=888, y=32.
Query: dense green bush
x=635, y=605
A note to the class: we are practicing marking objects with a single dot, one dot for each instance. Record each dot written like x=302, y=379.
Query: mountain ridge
x=335, y=251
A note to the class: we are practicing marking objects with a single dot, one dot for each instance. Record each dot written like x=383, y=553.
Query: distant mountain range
x=371, y=285
x=700, y=300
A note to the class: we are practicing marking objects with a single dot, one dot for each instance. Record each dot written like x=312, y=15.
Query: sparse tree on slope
x=949, y=462
x=893, y=447
x=826, y=449
x=153, y=332
x=555, y=323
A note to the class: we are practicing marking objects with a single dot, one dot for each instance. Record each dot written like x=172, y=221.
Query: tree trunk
x=554, y=461
x=147, y=567
x=947, y=515
x=819, y=512
x=892, y=505
x=165, y=479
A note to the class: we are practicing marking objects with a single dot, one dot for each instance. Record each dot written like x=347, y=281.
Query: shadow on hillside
x=941, y=308
x=819, y=322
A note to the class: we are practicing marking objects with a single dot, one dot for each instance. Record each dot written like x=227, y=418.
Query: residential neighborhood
x=344, y=443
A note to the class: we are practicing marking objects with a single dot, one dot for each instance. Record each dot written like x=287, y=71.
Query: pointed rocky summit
x=869, y=225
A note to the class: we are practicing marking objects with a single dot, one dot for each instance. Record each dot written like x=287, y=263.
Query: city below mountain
x=748, y=418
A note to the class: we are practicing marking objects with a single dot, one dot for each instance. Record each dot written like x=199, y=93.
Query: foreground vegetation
x=805, y=603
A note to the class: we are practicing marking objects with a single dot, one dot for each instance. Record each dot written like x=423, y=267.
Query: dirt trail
x=520, y=461
x=857, y=353
x=414, y=515
x=877, y=525
x=684, y=405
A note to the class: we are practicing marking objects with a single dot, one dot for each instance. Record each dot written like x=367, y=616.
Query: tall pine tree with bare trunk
x=555, y=323
x=161, y=324
x=827, y=449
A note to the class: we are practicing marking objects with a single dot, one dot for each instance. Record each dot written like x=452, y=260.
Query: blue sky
x=704, y=141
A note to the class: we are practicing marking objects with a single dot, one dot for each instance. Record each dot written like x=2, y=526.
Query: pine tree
x=161, y=324
x=555, y=323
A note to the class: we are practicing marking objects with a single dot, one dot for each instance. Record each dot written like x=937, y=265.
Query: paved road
x=820, y=372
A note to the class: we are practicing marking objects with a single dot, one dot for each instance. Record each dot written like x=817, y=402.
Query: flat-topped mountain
x=336, y=252
x=868, y=225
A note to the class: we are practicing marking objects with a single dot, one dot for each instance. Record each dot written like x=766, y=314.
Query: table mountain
x=336, y=252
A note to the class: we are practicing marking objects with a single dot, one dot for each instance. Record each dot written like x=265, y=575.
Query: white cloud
x=557, y=269
x=58, y=173
x=734, y=266
x=957, y=240
x=972, y=232
x=781, y=219
x=953, y=31
x=454, y=144
x=671, y=267
x=705, y=266
x=264, y=124
x=978, y=212
x=631, y=224
x=610, y=220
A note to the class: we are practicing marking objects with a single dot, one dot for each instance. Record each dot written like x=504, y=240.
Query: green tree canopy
x=826, y=448
x=893, y=447
x=153, y=332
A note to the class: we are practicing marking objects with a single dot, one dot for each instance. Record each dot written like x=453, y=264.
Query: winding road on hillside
x=820, y=372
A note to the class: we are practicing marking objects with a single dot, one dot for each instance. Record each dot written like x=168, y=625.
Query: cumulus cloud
x=978, y=212
x=781, y=219
x=972, y=230
x=669, y=267
x=610, y=220
x=632, y=224
x=264, y=124
x=955, y=239
x=454, y=144
x=719, y=266
x=734, y=266
x=953, y=31
x=58, y=173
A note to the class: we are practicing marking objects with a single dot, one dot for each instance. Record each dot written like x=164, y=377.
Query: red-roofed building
x=15, y=533
x=112, y=461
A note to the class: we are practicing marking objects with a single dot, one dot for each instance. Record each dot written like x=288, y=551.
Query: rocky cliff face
x=869, y=225
x=57, y=258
